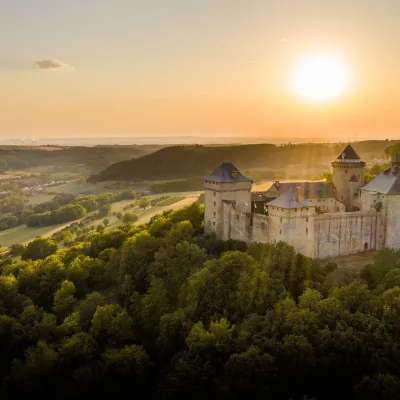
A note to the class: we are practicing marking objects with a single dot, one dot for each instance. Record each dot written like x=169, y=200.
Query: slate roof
x=288, y=200
x=348, y=154
x=227, y=173
x=387, y=182
x=310, y=189
x=353, y=179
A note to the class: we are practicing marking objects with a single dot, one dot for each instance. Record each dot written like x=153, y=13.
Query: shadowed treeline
x=191, y=161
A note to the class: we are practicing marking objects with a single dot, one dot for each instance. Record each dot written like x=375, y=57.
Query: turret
x=348, y=178
x=225, y=185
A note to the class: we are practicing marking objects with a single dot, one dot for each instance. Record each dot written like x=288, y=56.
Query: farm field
x=39, y=199
x=81, y=188
x=145, y=215
x=23, y=234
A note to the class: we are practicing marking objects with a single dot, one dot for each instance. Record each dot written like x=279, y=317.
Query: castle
x=318, y=219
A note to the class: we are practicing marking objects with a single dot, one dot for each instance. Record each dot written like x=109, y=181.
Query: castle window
x=215, y=194
x=214, y=223
x=307, y=231
x=307, y=219
x=280, y=232
x=214, y=214
x=280, y=219
x=215, y=203
x=295, y=209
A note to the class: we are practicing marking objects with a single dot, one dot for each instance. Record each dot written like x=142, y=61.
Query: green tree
x=40, y=248
x=100, y=228
x=80, y=347
x=104, y=210
x=129, y=217
x=144, y=203
x=64, y=300
x=154, y=305
x=88, y=306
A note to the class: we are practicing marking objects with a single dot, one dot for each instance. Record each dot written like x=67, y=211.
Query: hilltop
x=192, y=161
x=92, y=158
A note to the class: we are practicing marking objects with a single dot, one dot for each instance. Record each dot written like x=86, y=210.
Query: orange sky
x=212, y=67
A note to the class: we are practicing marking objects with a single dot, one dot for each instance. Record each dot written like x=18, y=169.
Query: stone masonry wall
x=317, y=236
x=296, y=230
x=393, y=222
x=343, y=234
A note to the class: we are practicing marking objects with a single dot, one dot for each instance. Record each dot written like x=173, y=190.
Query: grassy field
x=23, y=234
x=171, y=200
x=145, y=215
x=352, y=262
x=40, y=198
x=81, y=189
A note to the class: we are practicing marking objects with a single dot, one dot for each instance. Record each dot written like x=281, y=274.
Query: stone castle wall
x=348, y=233
x=317, y=236
x=296, y=230
x=393, y=222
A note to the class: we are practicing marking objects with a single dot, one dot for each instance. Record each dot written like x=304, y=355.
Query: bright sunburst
x=320, y=78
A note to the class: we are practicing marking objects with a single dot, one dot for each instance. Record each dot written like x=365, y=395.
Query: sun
x=320, y=78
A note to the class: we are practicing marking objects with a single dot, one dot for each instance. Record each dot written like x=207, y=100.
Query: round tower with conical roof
x=348, y=178
x=226, y=185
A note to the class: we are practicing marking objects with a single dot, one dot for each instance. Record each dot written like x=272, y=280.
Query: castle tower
x=225, y=185
x=348, y=178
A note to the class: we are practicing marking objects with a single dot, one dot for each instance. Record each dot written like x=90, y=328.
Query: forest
x=92, y=158
x=178, y=162
x=162, y=311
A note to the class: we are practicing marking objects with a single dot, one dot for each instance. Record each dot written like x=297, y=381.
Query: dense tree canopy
x=161, y=311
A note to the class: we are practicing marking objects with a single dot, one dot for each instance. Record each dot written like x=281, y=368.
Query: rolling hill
x=197, y=161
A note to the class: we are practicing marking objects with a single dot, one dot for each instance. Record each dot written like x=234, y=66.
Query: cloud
x=51, y=65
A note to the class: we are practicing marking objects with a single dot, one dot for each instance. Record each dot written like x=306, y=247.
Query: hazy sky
x=184, y=67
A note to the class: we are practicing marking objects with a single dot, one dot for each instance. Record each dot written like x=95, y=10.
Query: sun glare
x=320, y=78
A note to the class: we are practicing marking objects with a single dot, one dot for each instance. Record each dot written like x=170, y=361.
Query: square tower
x=225, y=184
x=348, y=178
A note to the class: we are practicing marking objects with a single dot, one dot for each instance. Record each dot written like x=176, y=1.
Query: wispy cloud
x=51, y=65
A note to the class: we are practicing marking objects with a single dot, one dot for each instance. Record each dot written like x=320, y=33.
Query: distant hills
x=197, y=161
x=93, y=159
